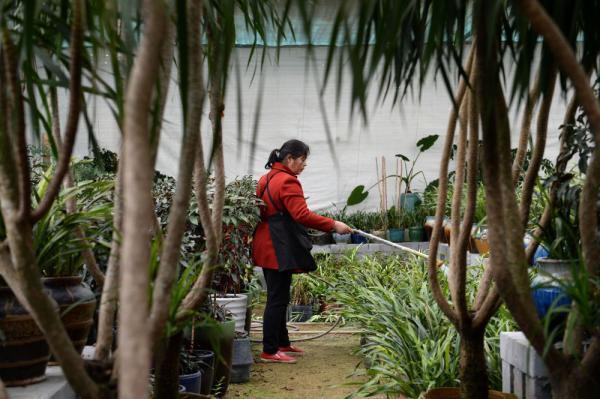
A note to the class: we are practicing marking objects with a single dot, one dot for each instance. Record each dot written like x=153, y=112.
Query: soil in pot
x=77, y=304
x=218, y=338
x=454, y=393
x=242, y=359
x=24, y=352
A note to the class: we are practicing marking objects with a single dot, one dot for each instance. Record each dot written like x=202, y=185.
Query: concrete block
x=55, y=386
x=523, y=371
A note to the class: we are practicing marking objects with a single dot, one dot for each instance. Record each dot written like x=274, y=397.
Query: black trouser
x=275, y=333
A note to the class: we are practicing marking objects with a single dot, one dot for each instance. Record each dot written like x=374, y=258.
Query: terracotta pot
x=24, y=352
x=454, y=393
x=77, y=304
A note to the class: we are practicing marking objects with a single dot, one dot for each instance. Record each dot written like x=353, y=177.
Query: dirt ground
x=327, y=370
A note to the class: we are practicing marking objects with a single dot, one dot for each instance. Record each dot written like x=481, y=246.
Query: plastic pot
x=320, y=237
x=300, y=313
x=410, y=201
x=207, y=366
x=415, y=233
x=218, y=338
x=242, y=360
x=341, y=238
x=237, y=304
x=356, y=238
x=192, y=382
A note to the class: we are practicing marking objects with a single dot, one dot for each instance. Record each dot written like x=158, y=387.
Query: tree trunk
x=3, y=394
x=570, y=383
x=473, y=369
x=166, y=373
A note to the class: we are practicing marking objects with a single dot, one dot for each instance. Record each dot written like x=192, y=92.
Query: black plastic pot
x=320, y=238
x=207, y=366
x=242, y=360
x=300, y=313
x=218, y=338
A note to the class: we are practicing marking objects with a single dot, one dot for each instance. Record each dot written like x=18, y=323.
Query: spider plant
x=57, y=247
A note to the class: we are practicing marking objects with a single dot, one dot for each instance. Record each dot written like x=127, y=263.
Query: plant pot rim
x=62, y=281
x=545, y=259
x=230, y=295
x=191, y=375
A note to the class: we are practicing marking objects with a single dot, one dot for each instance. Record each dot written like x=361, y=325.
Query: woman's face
x=296, y=165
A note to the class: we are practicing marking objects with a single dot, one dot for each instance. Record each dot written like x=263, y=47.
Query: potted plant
x=408, y=199
x=214, y=330
x=560, y=238
x=342, y=217
x=414, y=221
x=242, y=359
x=359, y=220
x=59, y=251
x=395, y=224
x=302, y=299
x=190, y=371
x=241, y=214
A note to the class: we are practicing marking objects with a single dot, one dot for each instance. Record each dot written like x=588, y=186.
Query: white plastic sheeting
x=291, y=109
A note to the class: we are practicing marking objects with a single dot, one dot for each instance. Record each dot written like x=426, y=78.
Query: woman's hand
x=341, y=228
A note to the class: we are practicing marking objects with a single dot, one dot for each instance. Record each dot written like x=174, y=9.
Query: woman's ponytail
x=273, y=157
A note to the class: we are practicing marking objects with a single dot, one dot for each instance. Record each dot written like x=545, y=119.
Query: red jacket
x=287, y=193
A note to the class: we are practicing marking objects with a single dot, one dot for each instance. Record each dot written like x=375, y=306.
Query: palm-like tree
x=391, y=45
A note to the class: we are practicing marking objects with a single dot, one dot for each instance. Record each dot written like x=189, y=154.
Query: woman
x=282, y=192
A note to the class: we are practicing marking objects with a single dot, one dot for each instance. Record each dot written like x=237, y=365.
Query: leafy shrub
x=408, y=342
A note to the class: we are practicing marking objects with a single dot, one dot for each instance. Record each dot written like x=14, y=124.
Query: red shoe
x=278, y=357
x=291, y=350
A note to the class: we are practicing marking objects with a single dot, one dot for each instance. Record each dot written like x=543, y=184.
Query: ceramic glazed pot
x=24, y=352
x=76, y=302
x=396, y=235
x=409, y=201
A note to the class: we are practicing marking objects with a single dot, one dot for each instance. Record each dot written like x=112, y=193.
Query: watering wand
x=393, y=244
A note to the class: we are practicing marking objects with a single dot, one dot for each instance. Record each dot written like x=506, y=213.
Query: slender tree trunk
x=138, y=215
x=110, y=290
x=88, y=254
x=3, y=393
x=473, y=367
x=167, y=367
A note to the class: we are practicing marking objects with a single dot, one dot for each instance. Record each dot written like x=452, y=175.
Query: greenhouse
x=299, y=199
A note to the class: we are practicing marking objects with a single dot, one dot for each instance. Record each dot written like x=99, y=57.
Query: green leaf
x=402, y=157
x=357, y=195
x=427, y=142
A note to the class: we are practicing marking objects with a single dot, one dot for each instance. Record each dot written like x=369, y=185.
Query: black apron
x=290, y=240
